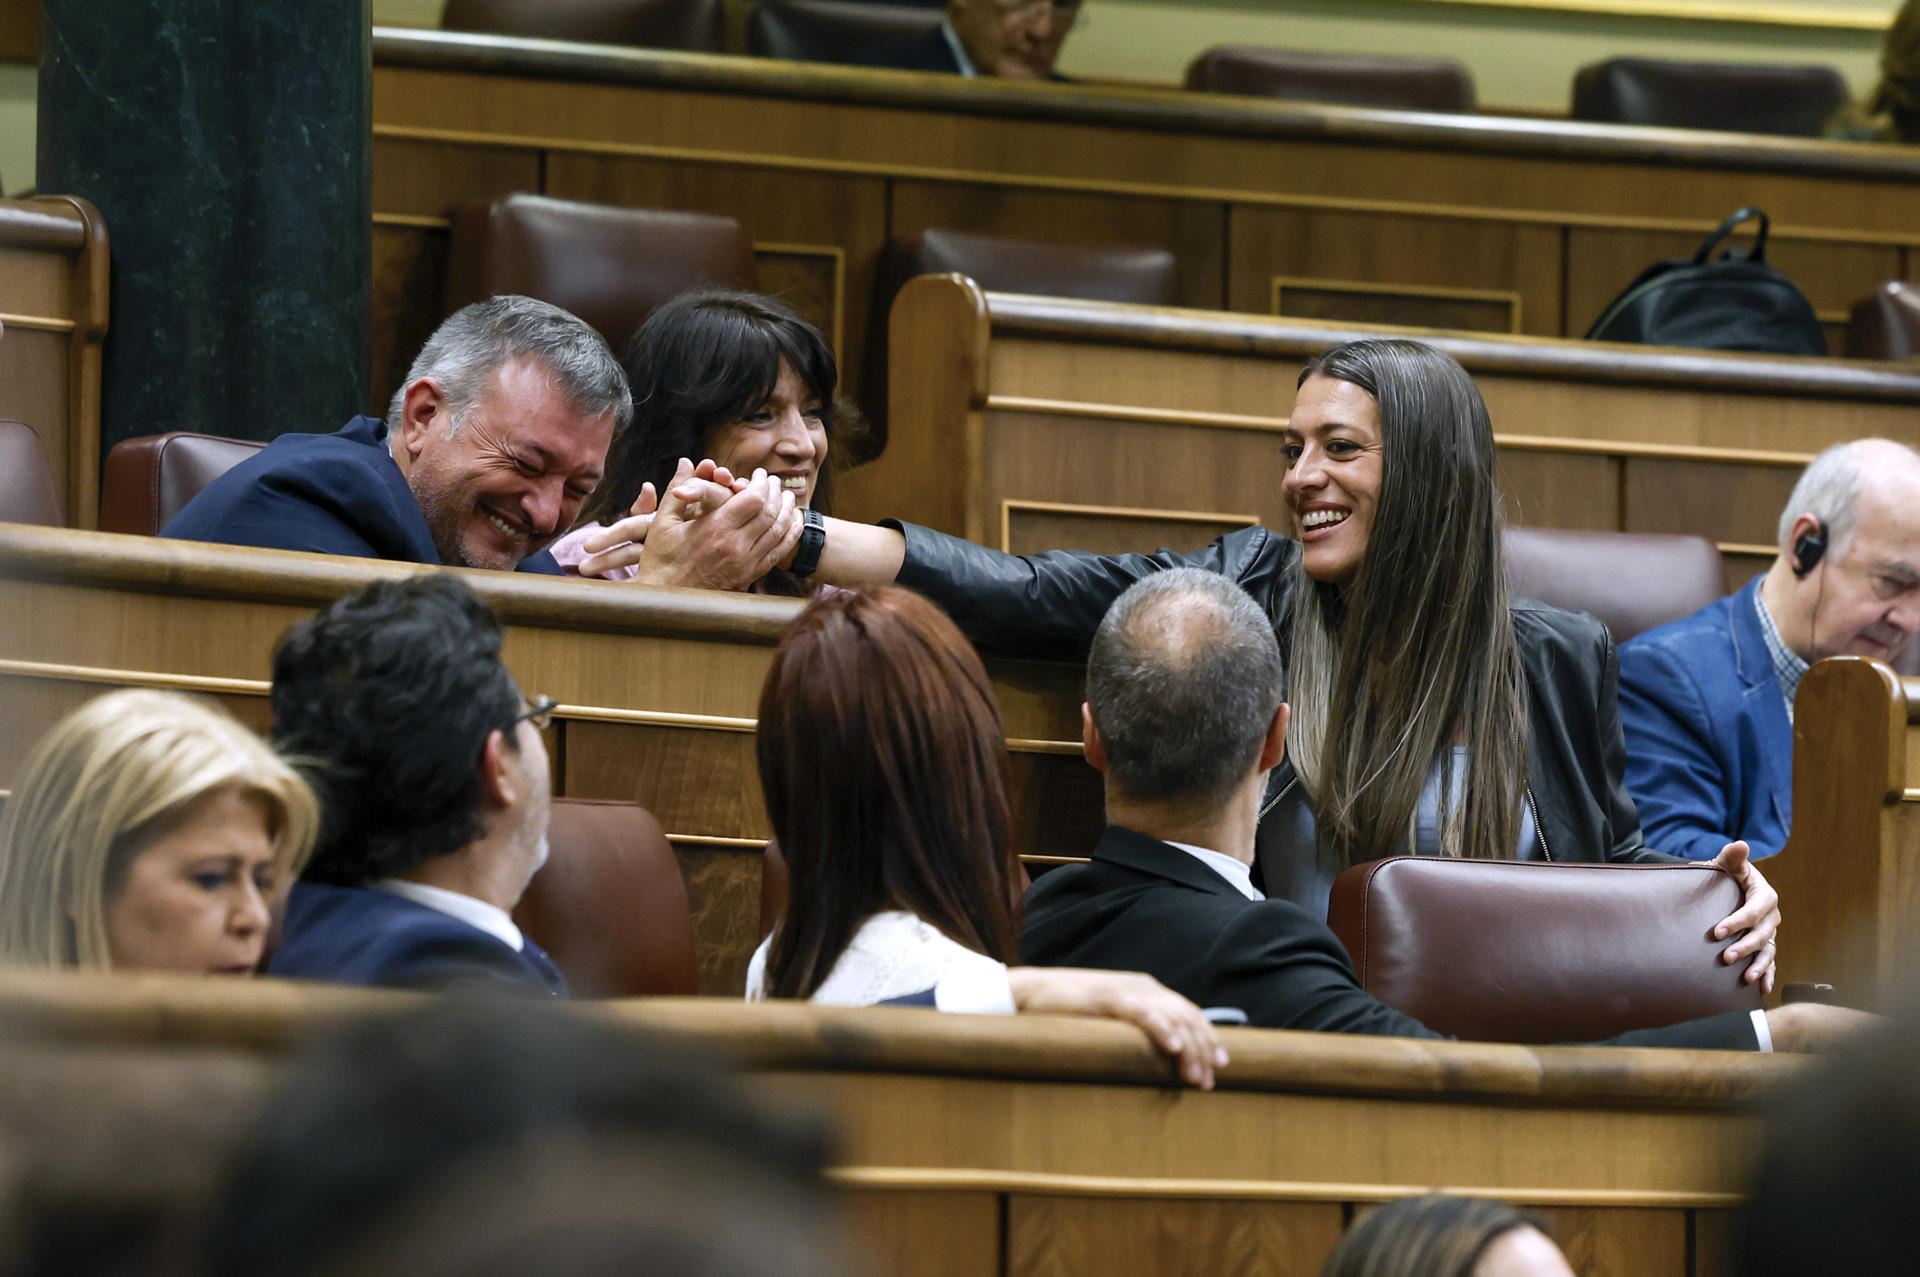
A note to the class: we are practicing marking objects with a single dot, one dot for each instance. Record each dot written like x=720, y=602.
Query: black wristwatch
x=813, y=539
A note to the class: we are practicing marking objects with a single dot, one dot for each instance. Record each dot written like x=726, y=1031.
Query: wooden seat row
x=658, y=690
x=1315, y=212
x=977, y=1146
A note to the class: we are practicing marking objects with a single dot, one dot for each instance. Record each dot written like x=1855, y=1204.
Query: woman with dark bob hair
x=1432, y=714
x=743, y=382
x=1440, y=1236
x=884, y=766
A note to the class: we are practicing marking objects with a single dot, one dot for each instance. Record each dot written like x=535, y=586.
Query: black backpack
x=1736, y=303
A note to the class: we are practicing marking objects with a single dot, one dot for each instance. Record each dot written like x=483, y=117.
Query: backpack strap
x=1759, y=251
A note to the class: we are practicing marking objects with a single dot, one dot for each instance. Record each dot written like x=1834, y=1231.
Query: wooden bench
x=1316, y=212
x=976, y=1146
x=53, y=308
x=1027, y=423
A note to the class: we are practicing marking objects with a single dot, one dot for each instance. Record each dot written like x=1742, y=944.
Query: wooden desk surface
x=985, y=1145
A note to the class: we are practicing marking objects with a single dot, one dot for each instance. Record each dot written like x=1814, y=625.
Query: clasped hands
x=1758, y=917
x=709, y=530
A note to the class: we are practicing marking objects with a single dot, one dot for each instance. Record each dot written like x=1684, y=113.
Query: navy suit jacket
x=326, y=494
x=1141, y=905
x=1709, y=744
x=362, y=935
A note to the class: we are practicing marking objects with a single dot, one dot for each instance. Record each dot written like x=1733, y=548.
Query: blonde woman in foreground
x=150, y=831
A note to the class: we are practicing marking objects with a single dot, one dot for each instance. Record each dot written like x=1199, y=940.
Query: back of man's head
x=394, y=1131
x=1183, y=681
x=385, y=700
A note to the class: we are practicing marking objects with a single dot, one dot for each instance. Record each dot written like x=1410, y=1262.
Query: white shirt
x=893, y=955
x=476, y=913
x=959, y=48
x=1238, y=875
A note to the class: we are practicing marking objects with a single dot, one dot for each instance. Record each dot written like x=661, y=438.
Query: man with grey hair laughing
x=490, y=445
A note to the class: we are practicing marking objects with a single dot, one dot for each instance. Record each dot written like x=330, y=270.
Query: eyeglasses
x=539, y=712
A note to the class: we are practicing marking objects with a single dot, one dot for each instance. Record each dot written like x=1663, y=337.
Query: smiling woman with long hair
x=884, y=767
x=1432, y=714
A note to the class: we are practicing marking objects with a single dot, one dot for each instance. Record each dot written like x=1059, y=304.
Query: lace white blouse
x=894, y=955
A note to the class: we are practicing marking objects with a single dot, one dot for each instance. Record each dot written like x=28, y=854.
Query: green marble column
x=226, y=143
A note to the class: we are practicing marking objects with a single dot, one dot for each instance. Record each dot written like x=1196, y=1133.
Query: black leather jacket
x=1049, y=605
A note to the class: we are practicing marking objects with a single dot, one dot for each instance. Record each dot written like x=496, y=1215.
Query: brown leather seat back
x=610, y=266
x=1885, y=324
x=1793, y=101
x=1091, y=272
x=148, y=480
x=1400, y=84
x=610, y=906
x=1512, y=951
x=832, y=30
x=698, y=25
x=27, y=491
x=1632, y=581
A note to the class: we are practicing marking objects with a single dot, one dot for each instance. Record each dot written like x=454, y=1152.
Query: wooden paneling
x=416, y=189
x=927, y=1234
x=1429, y=271
x=1726, y=501
x=723, y=894
x=1620, y=1243
x=1712, y=1243
x=1557, y=490
x=53, y=321
x=1064, y=1237
x=1033, y=527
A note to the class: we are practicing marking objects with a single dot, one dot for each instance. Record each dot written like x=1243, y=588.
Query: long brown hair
x=884, y=766
x=1419, y=646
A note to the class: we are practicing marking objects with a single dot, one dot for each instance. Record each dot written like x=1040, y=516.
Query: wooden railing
x=1849, y=876
x=1475, y=222
x=1028, y=423
x=53, y=311
x=1023, y=1146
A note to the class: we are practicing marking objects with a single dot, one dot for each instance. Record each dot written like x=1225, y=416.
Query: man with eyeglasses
x=434, y=788
x=1008, y=39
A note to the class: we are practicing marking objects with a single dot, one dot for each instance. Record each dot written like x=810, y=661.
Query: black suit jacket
x=930, y=51
x=1142, y=905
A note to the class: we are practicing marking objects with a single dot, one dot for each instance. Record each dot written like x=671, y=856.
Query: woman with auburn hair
x=1442, y=1236
x=884, y=767
x=1432, y=714
x=150, y=831
x=741, y=380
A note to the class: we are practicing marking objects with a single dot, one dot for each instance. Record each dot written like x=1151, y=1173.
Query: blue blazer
x=326, y=494
x=1709, y=744
x=361, y=935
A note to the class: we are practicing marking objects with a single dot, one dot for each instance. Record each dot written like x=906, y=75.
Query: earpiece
x=1809, y=548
